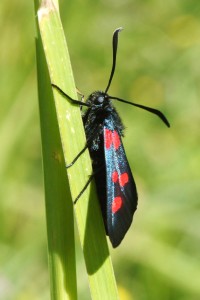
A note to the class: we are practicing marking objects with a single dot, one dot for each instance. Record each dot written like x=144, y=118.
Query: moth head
x=98, y=99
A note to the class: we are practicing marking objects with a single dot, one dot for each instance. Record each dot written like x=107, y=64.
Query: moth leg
x=81, y=95
x=84, y=188
x=77, y=102
x=87, y=145
x=87, y=183
x=77, y=156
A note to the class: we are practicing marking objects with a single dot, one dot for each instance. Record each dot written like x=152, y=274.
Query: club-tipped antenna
x=114, y=44
x=150, y=109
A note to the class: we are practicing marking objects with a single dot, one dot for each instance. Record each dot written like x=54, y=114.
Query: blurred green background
x=158, y=66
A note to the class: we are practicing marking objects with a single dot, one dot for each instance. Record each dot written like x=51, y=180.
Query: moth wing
x=121, y=188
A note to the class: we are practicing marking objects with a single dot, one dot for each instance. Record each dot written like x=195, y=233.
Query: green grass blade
x=90, y=225
x=59, y=208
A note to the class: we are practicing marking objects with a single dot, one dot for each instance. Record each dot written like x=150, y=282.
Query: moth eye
x=100, y=99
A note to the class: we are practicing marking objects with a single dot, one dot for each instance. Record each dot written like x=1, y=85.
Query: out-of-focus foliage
x=158, y=65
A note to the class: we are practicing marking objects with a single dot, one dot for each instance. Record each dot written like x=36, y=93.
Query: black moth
x=115, y=185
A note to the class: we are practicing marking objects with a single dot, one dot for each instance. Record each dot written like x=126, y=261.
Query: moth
x=104, y=130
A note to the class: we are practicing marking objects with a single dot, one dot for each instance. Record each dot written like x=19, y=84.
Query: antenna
x=150, y=109
x=114, y=44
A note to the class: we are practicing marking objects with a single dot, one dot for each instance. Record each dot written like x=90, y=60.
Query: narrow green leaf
x=89, y=220
x=59, y=208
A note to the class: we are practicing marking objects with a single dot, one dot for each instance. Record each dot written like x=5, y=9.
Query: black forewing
x=123, y=193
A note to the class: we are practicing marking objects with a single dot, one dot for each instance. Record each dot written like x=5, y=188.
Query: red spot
x=108, y=138
x=116, y=204
x=116, y=140
x=123, y=179
x=112, y=137
x=114, y=176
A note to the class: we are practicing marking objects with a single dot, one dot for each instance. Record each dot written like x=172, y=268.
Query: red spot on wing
x=116, y=204
x=108, y=138
x=114, y=176
x=116, y=140
x=123, y=179
x=112, y=137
